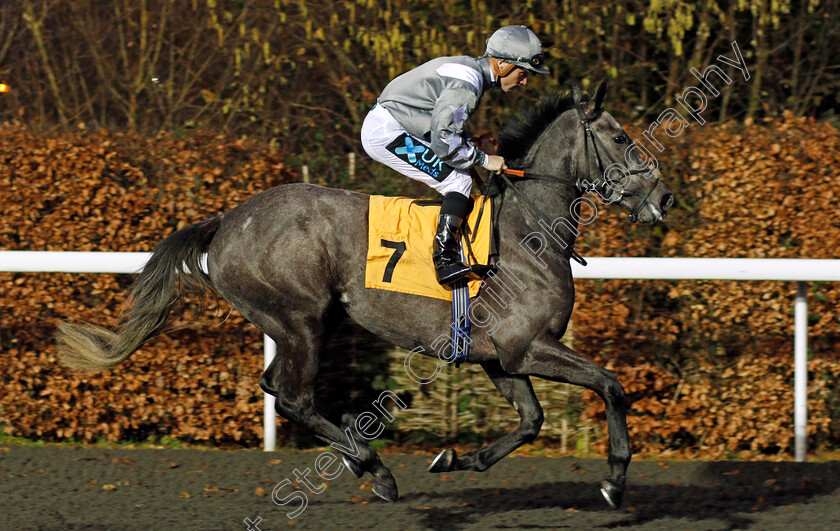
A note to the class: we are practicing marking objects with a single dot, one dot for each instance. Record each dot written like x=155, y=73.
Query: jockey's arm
x=449, y=116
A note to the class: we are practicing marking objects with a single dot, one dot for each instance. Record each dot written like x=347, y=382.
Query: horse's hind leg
x=291, y=378
x=519, y=392
x=555, y=361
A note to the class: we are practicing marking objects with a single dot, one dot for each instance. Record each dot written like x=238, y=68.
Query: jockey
x=417, y=128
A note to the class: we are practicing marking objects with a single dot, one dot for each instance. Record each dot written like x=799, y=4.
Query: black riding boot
x=447, y=255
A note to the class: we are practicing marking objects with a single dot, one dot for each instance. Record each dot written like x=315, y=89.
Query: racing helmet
x=519, y=46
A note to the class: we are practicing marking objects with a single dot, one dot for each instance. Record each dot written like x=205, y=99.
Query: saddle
x=400, y=243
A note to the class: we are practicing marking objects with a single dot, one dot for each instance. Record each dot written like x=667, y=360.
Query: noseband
x=580, y=184
x=586, y=186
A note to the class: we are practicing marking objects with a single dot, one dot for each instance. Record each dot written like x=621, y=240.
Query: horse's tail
x=174, y=269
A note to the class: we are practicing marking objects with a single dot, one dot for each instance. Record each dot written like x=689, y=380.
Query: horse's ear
x=600, y=92
x=577, y=95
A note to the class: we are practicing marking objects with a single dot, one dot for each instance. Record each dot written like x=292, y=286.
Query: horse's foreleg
x=555, y=361
x=518, y=391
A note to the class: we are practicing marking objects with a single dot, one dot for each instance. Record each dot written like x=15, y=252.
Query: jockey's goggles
x=534, y=63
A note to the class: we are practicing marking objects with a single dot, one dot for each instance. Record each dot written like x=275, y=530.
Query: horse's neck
x=555, y=225
x=518, y=222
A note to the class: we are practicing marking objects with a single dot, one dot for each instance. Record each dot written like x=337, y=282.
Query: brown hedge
x=113, y=192
x=707, y=365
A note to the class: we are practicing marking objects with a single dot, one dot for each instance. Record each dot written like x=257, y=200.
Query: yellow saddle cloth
x=400, y=239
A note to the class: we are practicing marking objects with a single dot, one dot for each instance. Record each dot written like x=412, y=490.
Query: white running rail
x=800, y=271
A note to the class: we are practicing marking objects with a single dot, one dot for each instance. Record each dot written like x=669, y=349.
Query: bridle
x=581, y=185
x=586, y=186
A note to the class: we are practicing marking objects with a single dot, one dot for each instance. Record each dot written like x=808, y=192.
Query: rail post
x=269, y=415
x=800, y=381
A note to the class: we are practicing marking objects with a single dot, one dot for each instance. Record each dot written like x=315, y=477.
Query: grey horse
x=292, y=261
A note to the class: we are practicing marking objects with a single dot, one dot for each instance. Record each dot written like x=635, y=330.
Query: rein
x=586, y=186
x=534, y=208
x=580, y=184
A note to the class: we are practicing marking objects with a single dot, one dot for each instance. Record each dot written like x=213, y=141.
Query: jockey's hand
x=495, y=164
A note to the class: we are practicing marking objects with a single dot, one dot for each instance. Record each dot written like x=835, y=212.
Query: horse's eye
x=620, y=139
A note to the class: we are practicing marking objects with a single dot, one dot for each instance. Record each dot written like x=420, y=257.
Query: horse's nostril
x=667, y=201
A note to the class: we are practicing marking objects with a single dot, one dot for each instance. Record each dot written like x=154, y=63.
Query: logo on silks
x=421, y=157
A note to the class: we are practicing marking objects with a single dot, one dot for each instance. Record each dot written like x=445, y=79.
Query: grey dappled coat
x=292, y=261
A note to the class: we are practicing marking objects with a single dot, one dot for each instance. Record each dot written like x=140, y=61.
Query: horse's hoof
x=352, y=467
x=612, y=493
x=443, y=462
x=386, y=489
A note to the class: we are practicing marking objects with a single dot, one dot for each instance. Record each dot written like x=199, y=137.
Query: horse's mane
x=518, y=135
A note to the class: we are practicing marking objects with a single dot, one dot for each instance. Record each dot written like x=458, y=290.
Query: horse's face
x=612, y=165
